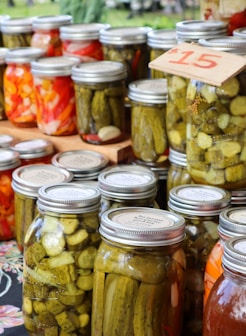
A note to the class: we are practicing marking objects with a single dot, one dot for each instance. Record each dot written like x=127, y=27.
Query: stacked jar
x=3, y=65
x=47, y=34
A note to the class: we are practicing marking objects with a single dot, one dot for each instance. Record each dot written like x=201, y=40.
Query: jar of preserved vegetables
x=19, y=97
x=82, y=40
x=55, y=96
x=47, y=33
x=85, y=165
x=9, y=161
x=7, y=140
x=100, y=98
x=177, y=172
x=159, y=41
x=216, y=124
x=26, y=181
x=59, y=252
x=139, y=273
x=148, y=98
x=3, y=52
x=2, y=17
x=17, y=32
x=129, y=46
x=34, y=151
x=232, y=223
x=225, y=309
x=200, y=205
x=127, y=185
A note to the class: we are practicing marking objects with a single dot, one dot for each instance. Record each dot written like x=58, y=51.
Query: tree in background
x=83, y=11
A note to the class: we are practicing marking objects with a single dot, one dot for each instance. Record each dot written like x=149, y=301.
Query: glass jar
x=34, y=151
x=225, y=309
x=232, y=223
x=59, y=252
x=127, y=185
x=47, y=34
x=2, y=17
x=3, y=52
x=159, y=41
x=129, y=46
x=177, y=172
x=9, y=160
x=7, y=140
x=148, y=98
x=17, y=32
x=19, y=97
x=26, y=181
x=200, y=205
x=139, y=273
x=85, y=165
x=82, y=40
x=55, y=96
x=100, y=96
x=217, y=123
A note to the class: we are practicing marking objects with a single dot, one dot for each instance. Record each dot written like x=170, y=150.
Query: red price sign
x=198, y=62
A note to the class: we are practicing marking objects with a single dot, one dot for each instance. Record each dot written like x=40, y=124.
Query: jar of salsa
x=9, y=161
x=54, y=91
x=47, y=33
x=225, y=309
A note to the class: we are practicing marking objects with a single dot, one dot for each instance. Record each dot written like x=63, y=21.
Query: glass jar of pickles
x=200, y=205
x=129, y=46
x=47, y=33
x=17, y=32
x=55, y=96
x=2, y=17
x=3, y=65
x=26, y=181
x=148, y=98
x=100, y=101
x=216, y=124
x=19, y=97
x=9, y=161
x=82, y=40
x=139, y=273
x=59, y=252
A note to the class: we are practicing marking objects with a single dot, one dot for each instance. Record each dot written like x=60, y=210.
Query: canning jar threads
x=82, y=40
x=59, y=251
x=148, y=98
x=17, y=32
x=55, y=96
x=200, y=206
x=47, y=33
x=3, y=65
x=26, y=181
x=139, y=273
x=9, y=161
x=19, y=97
x=100, y=101
x=85, y=165
x=129, y=46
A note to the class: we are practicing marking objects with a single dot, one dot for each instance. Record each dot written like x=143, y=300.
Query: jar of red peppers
x=54, y=91
x=82, y=40
x=47, y=33
x=20, y=102
x=9, y=160
x=3, y=52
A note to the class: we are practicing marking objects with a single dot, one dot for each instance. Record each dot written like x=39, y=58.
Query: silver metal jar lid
x=162, y=38
x=177, y=157
x=198, y=199
x=99, y=72
x=234, y=255
x=238, y=197
x=153, y=91
x=127, y=182
x=3, y=52
x=29, y=178
x=23, y=55
x=233, y=44
x=124, y=35
x=8, y=159
x=54, y=66
x=51, y=21
x=6, y=140
x=82, y=31
x=33, y=148
x=70, y=198
x=140, y=226
x=17, y=25
x=240, y=32
x=84, y=164
x=160, y=169
x=232, y=222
